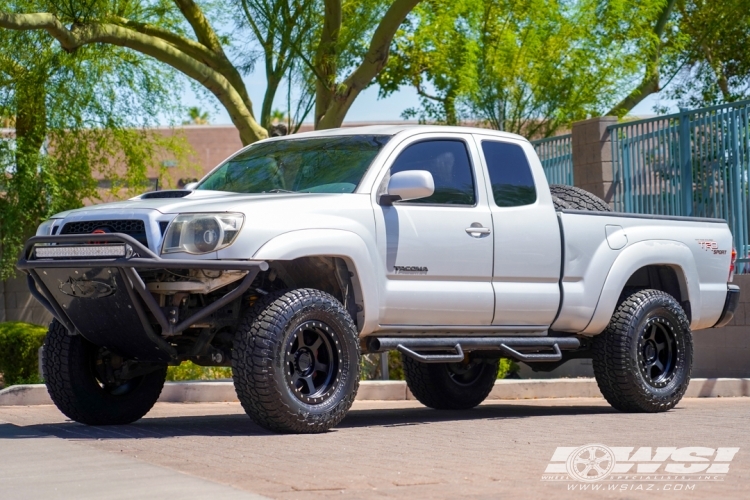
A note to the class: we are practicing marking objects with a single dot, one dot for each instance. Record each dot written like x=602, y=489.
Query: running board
x=410, y=346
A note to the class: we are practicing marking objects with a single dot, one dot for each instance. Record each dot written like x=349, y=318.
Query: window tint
x=319, y=165
x=510, y=174
x=448, y=162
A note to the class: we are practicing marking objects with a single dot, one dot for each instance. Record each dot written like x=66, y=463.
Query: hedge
x=19, y=352
x=190, y=371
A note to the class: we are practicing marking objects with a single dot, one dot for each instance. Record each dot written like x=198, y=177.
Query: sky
x=366, y=108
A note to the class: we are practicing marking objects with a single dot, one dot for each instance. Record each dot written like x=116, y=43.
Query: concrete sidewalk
x=37, y=465
x=221, y=391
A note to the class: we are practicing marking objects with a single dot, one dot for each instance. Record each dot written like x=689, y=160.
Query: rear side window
x=448, y=162
x=510, y=174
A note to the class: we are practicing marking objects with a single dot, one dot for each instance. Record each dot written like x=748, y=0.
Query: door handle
x=478, y=230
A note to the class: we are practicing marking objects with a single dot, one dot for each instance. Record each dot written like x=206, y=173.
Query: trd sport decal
x=711, y=246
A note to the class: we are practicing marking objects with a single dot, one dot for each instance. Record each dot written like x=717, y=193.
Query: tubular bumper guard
x=89, y=283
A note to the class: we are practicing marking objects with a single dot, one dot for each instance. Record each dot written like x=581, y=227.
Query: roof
x=395, y=129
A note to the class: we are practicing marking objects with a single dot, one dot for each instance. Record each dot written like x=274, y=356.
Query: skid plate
x=103, y=307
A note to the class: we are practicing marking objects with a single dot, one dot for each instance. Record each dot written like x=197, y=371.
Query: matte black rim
x=657, y=352
x=313, y=355
x=465, y=373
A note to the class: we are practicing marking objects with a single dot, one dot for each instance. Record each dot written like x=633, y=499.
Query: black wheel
x=450, y=386
x=295, y=362
x=642, y=361
x=571, y=197
x=82, y=381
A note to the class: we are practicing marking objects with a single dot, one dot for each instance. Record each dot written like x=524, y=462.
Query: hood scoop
x=169, y=193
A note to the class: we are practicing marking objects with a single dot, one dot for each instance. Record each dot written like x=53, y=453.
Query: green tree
x=709, y=60
x=161, y=29
x=529, y=67
x=196, y=116
x=74, y=116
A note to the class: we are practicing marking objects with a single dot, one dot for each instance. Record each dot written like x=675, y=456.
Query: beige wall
x=17, y=304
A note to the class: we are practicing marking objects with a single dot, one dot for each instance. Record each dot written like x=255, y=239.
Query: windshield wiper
x=279, y=191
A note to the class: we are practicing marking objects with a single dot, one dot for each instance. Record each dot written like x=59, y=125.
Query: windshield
x=319, y=165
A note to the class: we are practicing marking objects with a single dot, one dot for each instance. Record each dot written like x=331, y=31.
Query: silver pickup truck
x=298, y=254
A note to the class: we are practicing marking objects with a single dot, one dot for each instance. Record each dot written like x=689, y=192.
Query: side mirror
x=408, y=185
x=190, y=186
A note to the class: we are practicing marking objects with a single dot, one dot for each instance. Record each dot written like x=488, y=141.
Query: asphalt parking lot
x=381, y=450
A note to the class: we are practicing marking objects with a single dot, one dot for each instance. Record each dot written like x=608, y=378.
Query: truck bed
x=595, y=269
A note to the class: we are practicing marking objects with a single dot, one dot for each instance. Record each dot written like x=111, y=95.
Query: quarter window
x=448, y=162
x=510, y=174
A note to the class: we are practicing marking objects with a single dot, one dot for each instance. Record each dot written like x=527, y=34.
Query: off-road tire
x=621, y=359
x=261, y=371
x=434, y=386
x=68, y=369
x=570, y=197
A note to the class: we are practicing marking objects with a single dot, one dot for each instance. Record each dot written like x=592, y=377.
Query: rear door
x=527, y=252
x=437, y=251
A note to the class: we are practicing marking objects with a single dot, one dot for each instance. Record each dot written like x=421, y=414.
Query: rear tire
x=295, y=363
x=571, y=197
x=450, y=386
x=642, y=361
x=75, y=385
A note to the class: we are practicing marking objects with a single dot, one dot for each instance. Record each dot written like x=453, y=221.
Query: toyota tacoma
x=298, y=254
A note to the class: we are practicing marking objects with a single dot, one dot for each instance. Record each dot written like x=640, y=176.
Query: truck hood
x=196, y=201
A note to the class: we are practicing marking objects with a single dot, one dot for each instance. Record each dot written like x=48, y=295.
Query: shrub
x=508, y=368
x=190, y=371
x=19, y=352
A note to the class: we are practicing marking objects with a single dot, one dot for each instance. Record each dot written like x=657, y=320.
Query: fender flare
x=645, y=253
x=335, y=243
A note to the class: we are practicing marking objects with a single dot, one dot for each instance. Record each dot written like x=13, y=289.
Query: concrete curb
x=396, y=390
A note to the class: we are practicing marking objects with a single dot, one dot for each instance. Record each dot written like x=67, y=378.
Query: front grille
x=134, y=228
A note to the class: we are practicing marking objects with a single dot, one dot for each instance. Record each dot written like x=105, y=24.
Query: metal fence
x=689, y=163
x=557, y=158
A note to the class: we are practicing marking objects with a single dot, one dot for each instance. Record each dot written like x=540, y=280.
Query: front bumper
x=730, y=305
x=105, y=299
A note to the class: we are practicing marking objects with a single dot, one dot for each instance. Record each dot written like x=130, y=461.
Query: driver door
x=437, y=251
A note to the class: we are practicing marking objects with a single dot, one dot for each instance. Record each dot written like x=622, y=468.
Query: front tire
x=72, y=368
x=296, y=362
x=642, y=361
x=450, y=386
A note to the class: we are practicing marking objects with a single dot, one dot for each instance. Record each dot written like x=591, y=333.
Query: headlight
x=202, y=233
x=45, y=228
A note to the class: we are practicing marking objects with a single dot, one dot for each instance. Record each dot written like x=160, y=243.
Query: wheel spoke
x=659, y=365
x=599, y=469
x=310, y=385
x=316, y=344
x=300, y=339
x=321, y=367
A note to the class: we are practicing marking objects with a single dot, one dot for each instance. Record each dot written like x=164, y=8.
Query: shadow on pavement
x=241, y=425
x=415, y=416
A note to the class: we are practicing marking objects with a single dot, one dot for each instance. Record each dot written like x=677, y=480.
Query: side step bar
x=507, y=345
